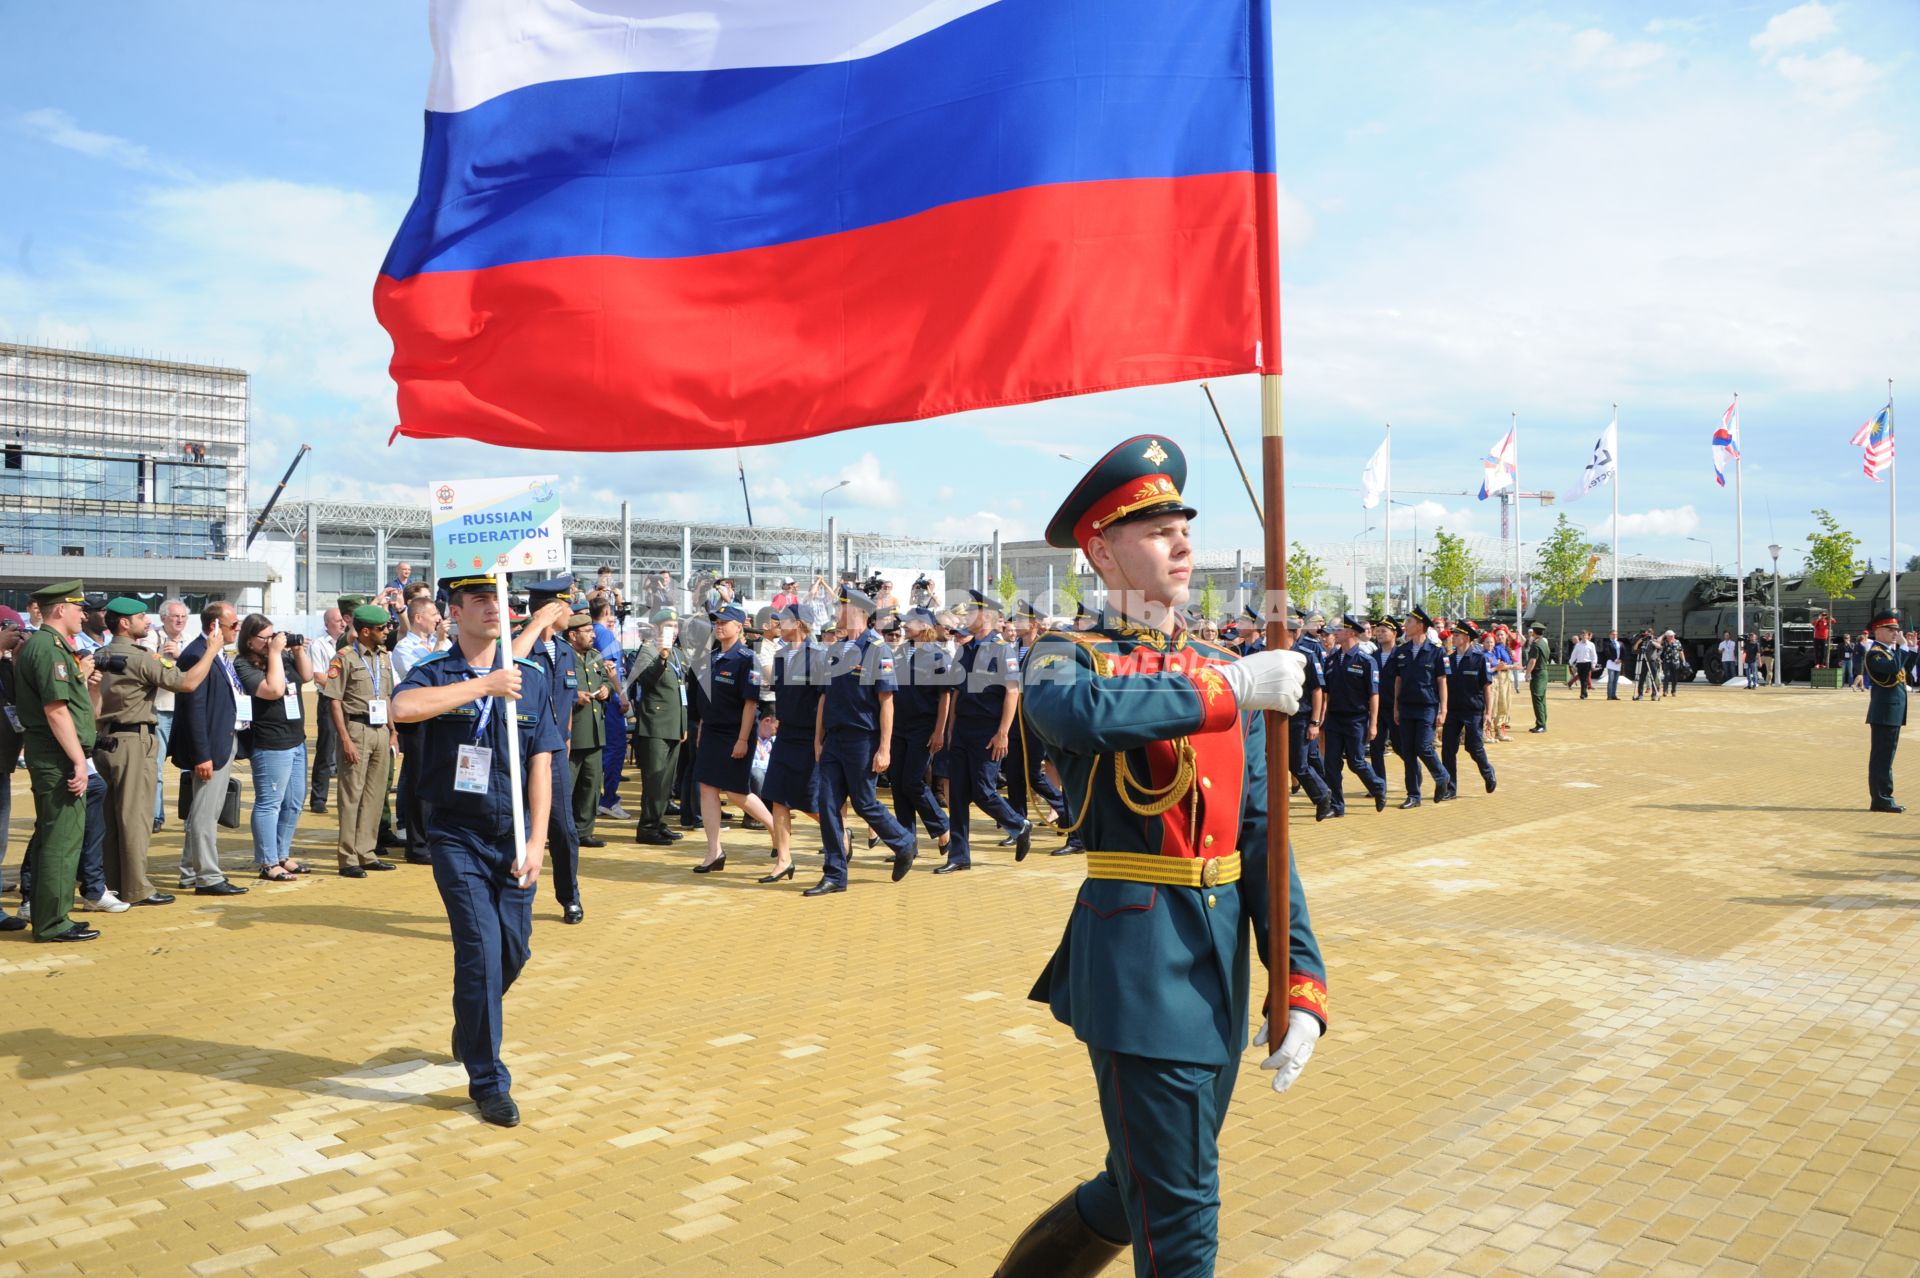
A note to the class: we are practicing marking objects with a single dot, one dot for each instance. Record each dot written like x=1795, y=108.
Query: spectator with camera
x=273, y=667
x=129, y=743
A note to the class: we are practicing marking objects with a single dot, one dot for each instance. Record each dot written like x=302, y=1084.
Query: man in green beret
x=656, y=683
x=56, y=727
x=128, y=748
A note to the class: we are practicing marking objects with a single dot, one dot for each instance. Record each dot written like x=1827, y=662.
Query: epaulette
x=1102, y=661
x=433, y=656
x=529, y=663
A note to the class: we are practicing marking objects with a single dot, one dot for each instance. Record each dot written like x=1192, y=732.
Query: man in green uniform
x=589, y=738
x=656, y=684
x=1886, y=709
x=128, y=748
x=1163, y=761
x=56, y=725
x=1536, y=657
x=359, y=691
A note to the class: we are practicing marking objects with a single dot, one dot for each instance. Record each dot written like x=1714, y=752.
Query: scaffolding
x=120, y=457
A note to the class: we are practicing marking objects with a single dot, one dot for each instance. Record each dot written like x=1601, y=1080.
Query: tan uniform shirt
x=354, y=678
x=128, y=699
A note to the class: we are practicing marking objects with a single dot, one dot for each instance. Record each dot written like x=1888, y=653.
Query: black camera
x=110, y=663
x=296, y=640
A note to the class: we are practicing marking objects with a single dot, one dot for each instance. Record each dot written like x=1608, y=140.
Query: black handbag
x=229, y=818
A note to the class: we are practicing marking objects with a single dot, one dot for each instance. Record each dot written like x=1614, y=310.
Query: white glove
x=1271, y=680
x=1295, y=1050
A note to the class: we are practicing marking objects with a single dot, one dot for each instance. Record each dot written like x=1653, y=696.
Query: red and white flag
x=1876, y=437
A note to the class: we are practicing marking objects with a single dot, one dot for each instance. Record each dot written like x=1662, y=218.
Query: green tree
x=1452, y=572
x=1007, y=588
x=1070, y=595
x=1831, y=566
x=1306, y=577
x=1376, y=606
x=1566, y=567
x=1209, y=600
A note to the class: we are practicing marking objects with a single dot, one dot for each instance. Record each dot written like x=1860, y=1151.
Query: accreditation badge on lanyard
x=473, y=767
x=242, y=703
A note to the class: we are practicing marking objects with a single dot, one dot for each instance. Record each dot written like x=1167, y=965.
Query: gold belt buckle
x=1210, y=872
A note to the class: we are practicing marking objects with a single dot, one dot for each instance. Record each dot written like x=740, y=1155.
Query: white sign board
x=481, y=523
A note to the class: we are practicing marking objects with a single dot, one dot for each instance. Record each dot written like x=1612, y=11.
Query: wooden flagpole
x=1273, y=471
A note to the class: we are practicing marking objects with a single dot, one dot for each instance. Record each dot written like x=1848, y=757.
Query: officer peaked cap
x=1143, y=476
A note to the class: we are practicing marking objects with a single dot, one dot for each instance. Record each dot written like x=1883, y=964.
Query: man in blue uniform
x=1164, y=766
x=464, y=699
x=1386, y=636
x=542, y=642
x=1468, y=677
x=1353, y=717
x=1304, y=728
x=921, y=709
x=1886, y=709
x=1418, y=671
x=986, y=712
x=852, y=743
x=1025, y=766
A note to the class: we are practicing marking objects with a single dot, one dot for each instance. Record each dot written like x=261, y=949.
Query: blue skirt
x=715, y=765
x=789, y=777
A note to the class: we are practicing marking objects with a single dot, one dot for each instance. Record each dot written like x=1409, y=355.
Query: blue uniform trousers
x=1885, y=740
x=1345, y=737
x=912, y=790
x=1387, y=736
x=1024, y=772
x=492, y=921
x=563, y=837
x=1303, y=759
x=973, y=780
x=1415, y=732
x=846, y=775
x=1471, y=726
x=1161, y=1187
x=613, y=758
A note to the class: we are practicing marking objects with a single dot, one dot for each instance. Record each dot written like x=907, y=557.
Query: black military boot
x=1058, y=1244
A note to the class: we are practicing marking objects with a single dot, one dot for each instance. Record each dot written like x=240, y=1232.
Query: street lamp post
x=1710, y=555
x=827, y=560
x=1778, y=652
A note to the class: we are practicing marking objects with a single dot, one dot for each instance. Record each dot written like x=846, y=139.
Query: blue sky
x=1488, y=207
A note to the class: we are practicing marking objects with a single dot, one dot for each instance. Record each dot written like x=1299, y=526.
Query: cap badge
x=1155, y=453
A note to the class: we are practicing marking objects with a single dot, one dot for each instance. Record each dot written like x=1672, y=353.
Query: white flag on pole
x=1600, y=469
x=1373, y=480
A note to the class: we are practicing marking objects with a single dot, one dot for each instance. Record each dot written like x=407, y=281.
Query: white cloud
x=1836, y=78
x=870, y=484
x=1680, y=521
x=1599, y=52
x=62, y=130
x=1296, y=223
x=1800, y=25
x=1660, y=26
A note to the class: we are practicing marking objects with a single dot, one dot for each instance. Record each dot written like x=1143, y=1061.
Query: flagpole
x=1278, y=849
x=1616, y=519
x=1519, y=608
x=1386, y=528
x=1739, y=535
x=1893, y=514
x=506, y=707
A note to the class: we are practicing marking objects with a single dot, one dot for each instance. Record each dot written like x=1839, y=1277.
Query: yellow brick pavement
x=1650, y=1008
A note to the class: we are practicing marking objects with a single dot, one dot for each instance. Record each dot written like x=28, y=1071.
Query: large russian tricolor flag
x=652, y=225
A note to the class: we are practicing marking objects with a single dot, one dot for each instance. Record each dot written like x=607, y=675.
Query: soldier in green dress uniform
x=657, y=691
x=589, y=738
x=56, y=727
x=1886, y=709
x=1536, y=656
x=1164, y=764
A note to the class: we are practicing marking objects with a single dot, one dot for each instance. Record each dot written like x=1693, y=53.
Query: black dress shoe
x=1413, y=801
x=593, y=843
x=825, y=887
x=158, y=825
x=871, y=840
x=673, y=809
x=500, y=1111
x=1023, y=842
x=1072, y=847
x=572, y=914
x=418, y=858
x=1492, y=781
x=13, y=923
x=713, y=867
x=221, y=889
x=903, y=861
x=1380, y=800
x=673, y=836
x=158, y=898
x=352, y=872
x=1886, y=807
x=954, y=867
x=319, y=809
x=380, y=865
x=78, y=932
x=658, y=838
x=1536, y=729
x=1012, y=838
x=778, y=875
x=1323, y=808
x=1443, y=794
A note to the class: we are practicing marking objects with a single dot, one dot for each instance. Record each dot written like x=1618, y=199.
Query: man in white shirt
x=1729, y=655
x=1585, y=654
x=426, y=633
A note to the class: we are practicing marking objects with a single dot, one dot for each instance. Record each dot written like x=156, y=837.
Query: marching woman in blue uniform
x=1353, y=717
x=986, y=708
x=921, y=709
x=799, y=679
x=541, y=642
x=1886, y=709
x=1469, y=675
x=464, y=699
x=1164, y=764
x=723, y=765
x=851, y=742
x=1418, y=672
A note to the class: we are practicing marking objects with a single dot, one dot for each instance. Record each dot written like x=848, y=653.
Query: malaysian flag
x=1726, y=443
x=1876, y=437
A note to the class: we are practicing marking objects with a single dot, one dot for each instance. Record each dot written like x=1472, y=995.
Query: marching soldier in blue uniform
x=1164, y=766
x=464, y=699
x=1025, y=766
x=1419, y=676
x=799, y=680
x=852, y=741
x=1353, y=717
x=921, y=712
x=1469, y=675
x=1304, y=729
x=986, y=714
x=541, y=641
x=1886, y=709
x=1386, y=635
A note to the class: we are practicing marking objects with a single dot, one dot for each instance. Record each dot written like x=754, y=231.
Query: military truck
x=1698, y=610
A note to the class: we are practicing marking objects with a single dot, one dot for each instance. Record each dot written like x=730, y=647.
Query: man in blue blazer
x=204, y=721
x=1886, y=708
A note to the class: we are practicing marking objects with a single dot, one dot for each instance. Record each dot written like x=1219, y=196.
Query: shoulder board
x=1213, y=649
x=529, y=663
x=431, y=656
x=1080, y=641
